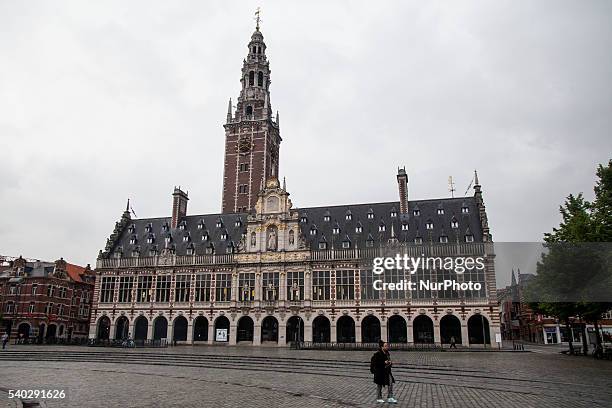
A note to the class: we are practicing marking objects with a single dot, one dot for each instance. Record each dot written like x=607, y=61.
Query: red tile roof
x=75, y=272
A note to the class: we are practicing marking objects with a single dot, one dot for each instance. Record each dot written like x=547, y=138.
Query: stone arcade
x=270, y=273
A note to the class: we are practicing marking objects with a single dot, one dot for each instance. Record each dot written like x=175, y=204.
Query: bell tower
x=252, y=137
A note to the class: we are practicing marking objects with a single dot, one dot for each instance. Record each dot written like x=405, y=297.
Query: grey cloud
x=104, y=101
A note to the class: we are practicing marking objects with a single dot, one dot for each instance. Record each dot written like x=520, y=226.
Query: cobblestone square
x=270, y=377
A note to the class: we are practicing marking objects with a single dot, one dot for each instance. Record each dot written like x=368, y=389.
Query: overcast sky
x=101, y=101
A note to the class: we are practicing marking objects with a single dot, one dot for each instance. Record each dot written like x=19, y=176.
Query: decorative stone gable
x=274, y=227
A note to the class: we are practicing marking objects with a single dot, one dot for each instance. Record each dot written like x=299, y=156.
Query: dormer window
x=133, y=240
x=190, y=250
x=358, y=229
x=416, y=213
x=393, y=213
x=348, y=216
x=230, y=248
x=135, y=253
x=132, y=228
x=346, y=244
x=238, y=223
x=465, y=210
x=370, y=215
x=469, y=238
x=440, y=211
x=404, y=227
x=443, y=239
x=205, y=237
x=382, y=228
x=370, y=242
x=150, y=239
x=182, y=225
x=224, y=236
x=418, y=240
x=323, y=245
x=219, y=223
x=454, y=223
x=149, y=227
x=336, y=230
x=186, y=238
x=304, y=219
x=165, y=227
x=201, y=225
x=326, y=218
x=167, y=240
x=429, y=225
x=313, y=231
x=210, y=249
x=153, y=251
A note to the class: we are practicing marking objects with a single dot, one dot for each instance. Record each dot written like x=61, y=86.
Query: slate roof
x=42, y=269
x=38, y=269
x=378, y=220
x=197, y=231
x=332, y=224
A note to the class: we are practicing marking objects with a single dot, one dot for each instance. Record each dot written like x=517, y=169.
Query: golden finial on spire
x=257, y=19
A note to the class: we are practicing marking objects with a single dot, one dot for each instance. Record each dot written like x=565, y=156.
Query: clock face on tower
x=244, y=145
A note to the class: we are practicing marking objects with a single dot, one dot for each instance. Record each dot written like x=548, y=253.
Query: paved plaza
x=202, y=376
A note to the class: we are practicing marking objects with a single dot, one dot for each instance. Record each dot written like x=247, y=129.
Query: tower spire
x=250, y=130
x=257, y=19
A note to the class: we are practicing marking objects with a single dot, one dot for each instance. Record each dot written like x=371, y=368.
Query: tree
x=602, y=205
x=574, y=278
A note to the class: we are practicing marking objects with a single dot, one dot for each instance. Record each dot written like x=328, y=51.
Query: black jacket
x=381, y=371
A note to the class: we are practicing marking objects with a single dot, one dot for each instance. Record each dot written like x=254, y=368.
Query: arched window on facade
x=251, y=78
x=260, y=78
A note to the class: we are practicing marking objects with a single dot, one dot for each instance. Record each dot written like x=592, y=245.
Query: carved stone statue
x=253, y=239
x=272, y=240
x=291, y=237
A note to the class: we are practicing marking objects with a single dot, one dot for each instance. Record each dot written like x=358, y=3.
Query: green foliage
x=602, y=206
x=575, y=277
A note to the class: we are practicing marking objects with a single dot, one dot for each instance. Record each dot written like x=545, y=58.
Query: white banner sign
x=221, y=335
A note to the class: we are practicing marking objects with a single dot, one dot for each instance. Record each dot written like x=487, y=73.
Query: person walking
x=5, y=339
x=380, y=366
x=453, y=341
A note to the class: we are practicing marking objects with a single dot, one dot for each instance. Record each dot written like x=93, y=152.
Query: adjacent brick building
x=519, y=322
x=45, y=301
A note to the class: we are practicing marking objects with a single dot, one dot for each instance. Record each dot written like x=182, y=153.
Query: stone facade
x=265, y=289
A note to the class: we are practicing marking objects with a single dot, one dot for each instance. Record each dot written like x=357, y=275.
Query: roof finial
x=257, y=19
x=277, y=119
x=229, y=110
x=127, y=207
x=284, y=184
x=476, y=183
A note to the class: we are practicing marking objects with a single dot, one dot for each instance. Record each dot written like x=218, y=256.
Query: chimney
x=19, y=265
x=402, y=184
x=60, y=268
x=179, y=206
